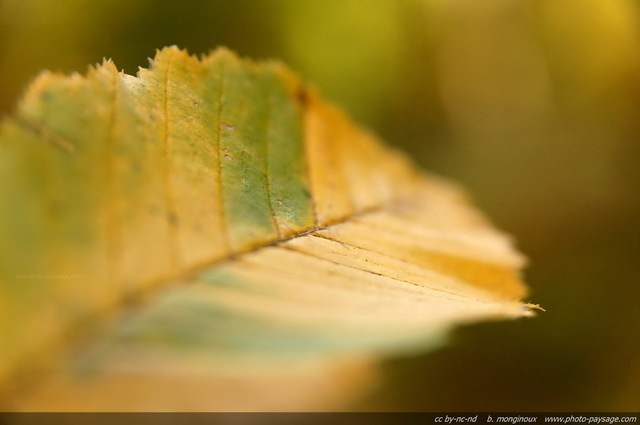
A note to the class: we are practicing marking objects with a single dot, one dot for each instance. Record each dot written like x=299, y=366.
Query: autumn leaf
x=211, y=235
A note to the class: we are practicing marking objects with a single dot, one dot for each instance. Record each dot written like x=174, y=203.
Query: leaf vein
x=439, y=292
x=224, y=231
x=171, y=219
x=267, y=142
x=112, y=226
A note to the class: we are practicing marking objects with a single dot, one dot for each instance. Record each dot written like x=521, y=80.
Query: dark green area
x=186, y=318
x=287, y=170
x=261, y=152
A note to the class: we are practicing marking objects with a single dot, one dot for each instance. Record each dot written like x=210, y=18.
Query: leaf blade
x=226, y=188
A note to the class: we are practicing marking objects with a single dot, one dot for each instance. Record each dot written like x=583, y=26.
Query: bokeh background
x=533, y=105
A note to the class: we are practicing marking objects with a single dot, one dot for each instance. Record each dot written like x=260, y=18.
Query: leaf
x=191, y=238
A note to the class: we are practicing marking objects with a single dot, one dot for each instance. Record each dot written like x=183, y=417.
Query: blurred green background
x=533, y=105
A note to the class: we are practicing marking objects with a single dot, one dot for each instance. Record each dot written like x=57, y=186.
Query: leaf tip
x=528, y=309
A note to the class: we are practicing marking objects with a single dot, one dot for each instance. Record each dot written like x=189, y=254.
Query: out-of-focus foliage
x=532, y=104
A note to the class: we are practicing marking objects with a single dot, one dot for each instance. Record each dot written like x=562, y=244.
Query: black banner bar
x=437, y=418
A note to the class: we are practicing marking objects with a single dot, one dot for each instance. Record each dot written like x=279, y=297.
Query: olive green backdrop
x=533, y=105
